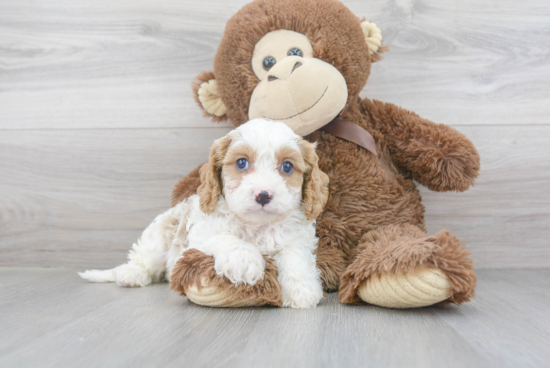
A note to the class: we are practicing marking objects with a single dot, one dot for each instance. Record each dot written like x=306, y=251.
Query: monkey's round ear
x=373, y=37
x=205, y=89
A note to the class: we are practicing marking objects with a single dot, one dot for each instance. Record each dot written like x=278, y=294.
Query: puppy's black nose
x=263, y=198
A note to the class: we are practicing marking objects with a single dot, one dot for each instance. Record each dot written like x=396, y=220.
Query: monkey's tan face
x=304, y=92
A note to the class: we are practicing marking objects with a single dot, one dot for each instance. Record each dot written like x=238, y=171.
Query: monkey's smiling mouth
x=309, y=108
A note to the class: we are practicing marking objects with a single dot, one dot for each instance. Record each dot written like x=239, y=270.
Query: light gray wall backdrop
x=97, y=119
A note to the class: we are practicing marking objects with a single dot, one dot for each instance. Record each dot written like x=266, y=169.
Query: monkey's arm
x=436, y=155
x=187, y=186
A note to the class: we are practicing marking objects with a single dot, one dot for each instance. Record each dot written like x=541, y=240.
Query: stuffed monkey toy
x=304, y=62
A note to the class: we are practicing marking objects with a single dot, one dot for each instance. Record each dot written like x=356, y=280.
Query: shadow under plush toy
x=304, y=62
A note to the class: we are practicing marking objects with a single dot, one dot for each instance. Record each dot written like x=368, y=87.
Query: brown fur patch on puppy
x=293, y=156
x=296, y=178
x=403, y=248
x=230, y=171
x=196, y=266
x=239, y=151
x=315, y=190
x=211, y=182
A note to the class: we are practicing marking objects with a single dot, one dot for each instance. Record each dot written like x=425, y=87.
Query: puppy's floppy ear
x=211, y=182
x=315, y=187
x=205, y=90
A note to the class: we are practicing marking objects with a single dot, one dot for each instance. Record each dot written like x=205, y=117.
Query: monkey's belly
x=365, y=191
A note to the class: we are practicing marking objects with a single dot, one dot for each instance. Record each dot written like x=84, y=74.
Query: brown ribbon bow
x=351, y=132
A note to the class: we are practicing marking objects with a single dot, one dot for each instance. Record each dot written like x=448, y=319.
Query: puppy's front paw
x=301, y=294
x=131, y=275
x=240, y=267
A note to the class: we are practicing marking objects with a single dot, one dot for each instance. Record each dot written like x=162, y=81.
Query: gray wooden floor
x=52, y=318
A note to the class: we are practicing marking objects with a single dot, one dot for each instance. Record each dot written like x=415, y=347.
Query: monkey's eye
x=269, y=61
x=242, y=164
x=294, y=52
x=287, y=167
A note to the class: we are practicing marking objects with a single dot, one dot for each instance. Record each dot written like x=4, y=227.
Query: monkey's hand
x=436, y=155
x=194, y=276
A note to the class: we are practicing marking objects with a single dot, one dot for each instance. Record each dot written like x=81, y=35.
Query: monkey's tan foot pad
x=194, y=276
x=424, y=287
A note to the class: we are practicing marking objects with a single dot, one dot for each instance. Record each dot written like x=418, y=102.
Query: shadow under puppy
x=260, y=194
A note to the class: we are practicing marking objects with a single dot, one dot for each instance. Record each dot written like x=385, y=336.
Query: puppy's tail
x=99, y=275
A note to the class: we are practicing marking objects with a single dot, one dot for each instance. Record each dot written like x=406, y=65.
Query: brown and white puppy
x=260, y=194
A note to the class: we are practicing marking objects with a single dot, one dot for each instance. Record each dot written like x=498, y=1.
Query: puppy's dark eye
x=242, y=164
x=287, y=167
x=294, y=52
x=269, y=62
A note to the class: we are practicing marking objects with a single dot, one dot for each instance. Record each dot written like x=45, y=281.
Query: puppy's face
x=266, y=171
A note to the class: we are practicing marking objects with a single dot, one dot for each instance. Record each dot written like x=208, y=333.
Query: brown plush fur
x=435, y=155
x=373, y=221
x=403, y=248
x=197, y=266
x=332, y=29
x=187, y=186
x=331, y=261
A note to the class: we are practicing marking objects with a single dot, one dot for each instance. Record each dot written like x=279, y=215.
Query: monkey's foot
x=397, y=266
x=194, y=276
x=426, y=286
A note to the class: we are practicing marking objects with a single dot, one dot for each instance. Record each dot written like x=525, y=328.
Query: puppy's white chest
x=268, y=241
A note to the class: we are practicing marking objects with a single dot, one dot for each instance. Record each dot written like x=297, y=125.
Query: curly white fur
x=239, y=231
